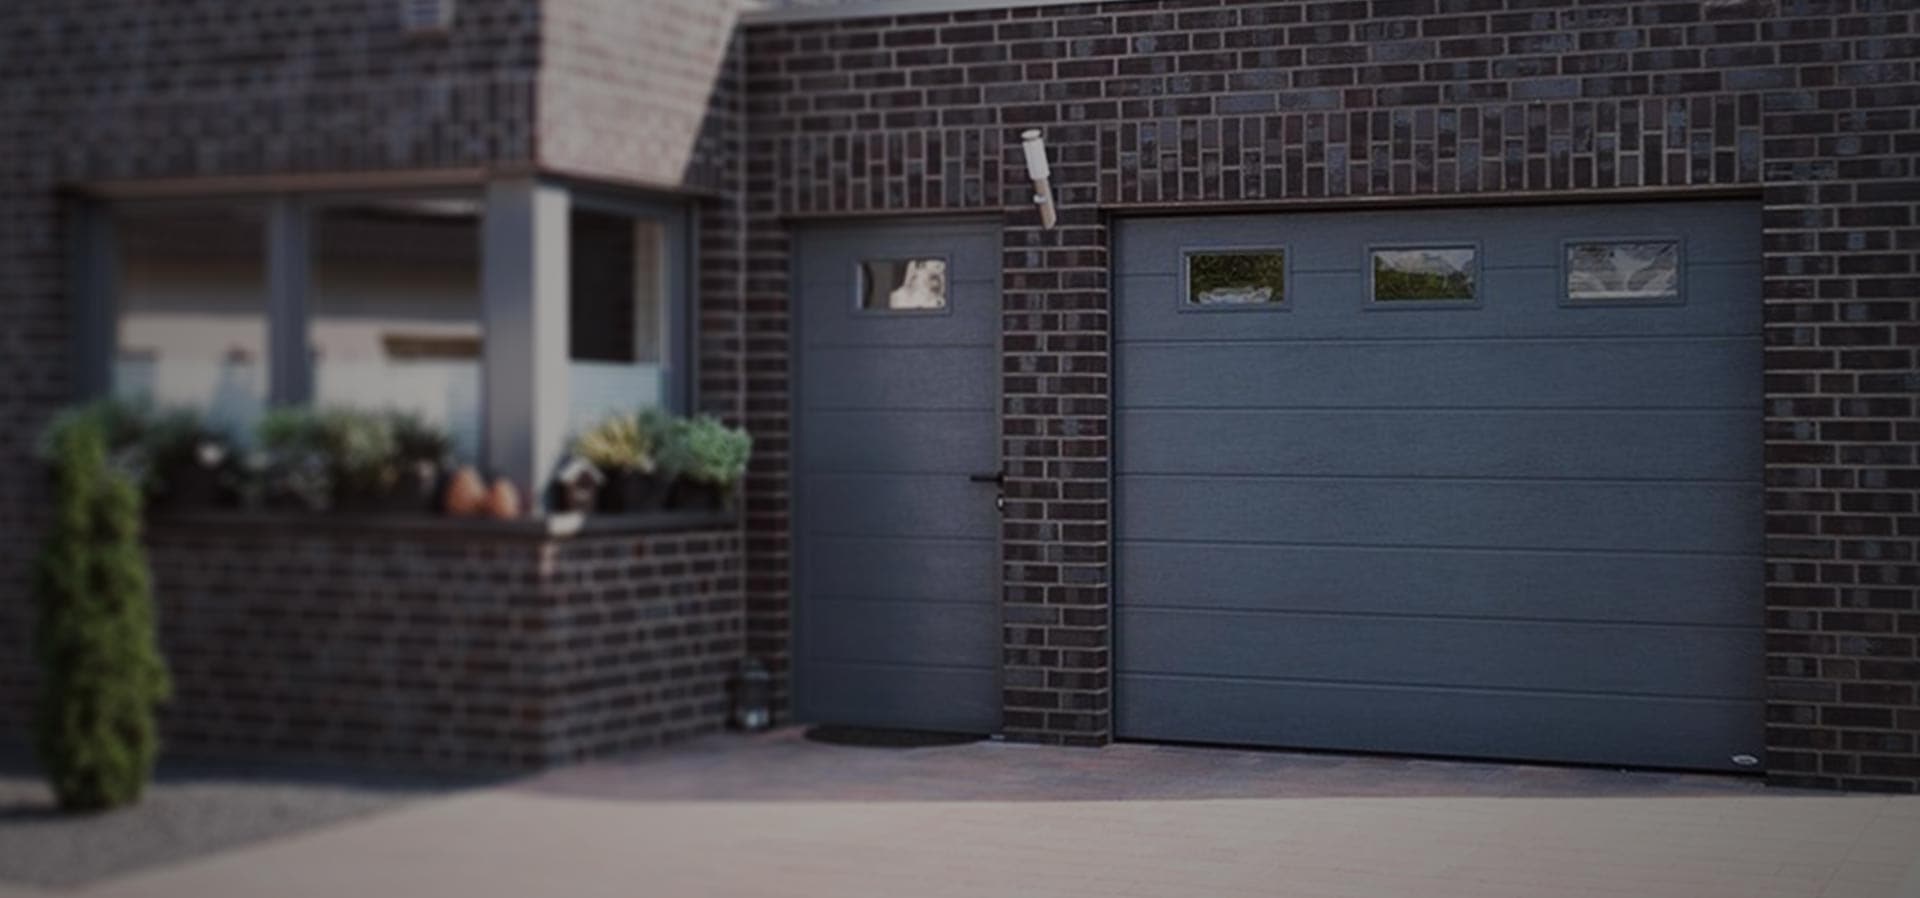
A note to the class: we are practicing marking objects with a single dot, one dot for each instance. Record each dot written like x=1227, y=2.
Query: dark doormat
x=876, y=737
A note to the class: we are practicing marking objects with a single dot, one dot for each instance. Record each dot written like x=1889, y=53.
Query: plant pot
x=417, y=491
x=191, y=487
x=627, y=492
x=691, y=495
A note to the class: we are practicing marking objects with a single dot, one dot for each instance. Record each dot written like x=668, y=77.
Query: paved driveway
x=780, y=816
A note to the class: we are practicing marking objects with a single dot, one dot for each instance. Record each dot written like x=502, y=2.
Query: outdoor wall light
x=1037, y=169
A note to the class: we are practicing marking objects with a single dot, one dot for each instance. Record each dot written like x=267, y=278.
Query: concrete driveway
x=776, y=815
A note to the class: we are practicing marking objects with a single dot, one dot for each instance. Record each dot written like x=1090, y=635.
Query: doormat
x=876, y=737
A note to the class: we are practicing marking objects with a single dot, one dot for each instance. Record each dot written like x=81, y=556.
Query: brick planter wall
x=1215, y=104
x=437, y=643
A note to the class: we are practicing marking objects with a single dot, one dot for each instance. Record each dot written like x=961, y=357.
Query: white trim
x=867, y=9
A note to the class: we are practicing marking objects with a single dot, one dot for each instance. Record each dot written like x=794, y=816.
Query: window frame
x=1565, y=272
x=1374, y=303
x=1183, y=297
x=860, y=307
x=678, y=222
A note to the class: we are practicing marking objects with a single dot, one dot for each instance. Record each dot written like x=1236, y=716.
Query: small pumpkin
x=503, y=500
x=466, y=494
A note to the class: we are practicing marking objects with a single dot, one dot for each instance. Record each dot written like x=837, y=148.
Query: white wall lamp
x=1037, y=169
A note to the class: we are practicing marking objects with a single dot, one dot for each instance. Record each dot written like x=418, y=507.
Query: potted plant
x=293, y=469
x=187, y=464
x=621, y=448
x=424, y=457
x=362, y=456
x=707, y=459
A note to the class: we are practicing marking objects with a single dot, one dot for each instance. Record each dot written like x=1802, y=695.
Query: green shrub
x=703, y=450
x=315, y=457
x=619, y=442
x=124, y=425
x=102, y=674
x=415, y=441
x=362, y=451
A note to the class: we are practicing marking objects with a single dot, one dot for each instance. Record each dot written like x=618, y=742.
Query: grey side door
x=896, y=424
x=1514, y=525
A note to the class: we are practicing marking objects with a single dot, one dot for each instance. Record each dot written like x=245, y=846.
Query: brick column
x=1056, y=535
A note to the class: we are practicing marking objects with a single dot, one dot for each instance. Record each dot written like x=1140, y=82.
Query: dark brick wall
x=126, y=90
x=131, y=89
x=445, y=647
x=1197, y=104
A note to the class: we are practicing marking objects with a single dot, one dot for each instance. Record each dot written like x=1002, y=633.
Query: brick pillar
x=1056, y=535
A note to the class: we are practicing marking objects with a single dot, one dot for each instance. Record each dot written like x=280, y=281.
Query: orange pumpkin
x=503, y=501
x=466, y=494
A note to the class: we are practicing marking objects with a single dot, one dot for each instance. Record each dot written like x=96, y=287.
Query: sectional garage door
x=1459, y=482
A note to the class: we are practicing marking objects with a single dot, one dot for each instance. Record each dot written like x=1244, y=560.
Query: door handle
x=997, y=478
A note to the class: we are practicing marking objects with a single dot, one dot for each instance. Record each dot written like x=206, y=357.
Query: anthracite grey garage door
x=896, y=621
x=1459, y=482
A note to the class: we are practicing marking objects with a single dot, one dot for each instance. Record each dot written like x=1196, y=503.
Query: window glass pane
x=1236, y=278
x=903, y=285
x=191, y=310
x=1424, y=274
x=617, y=314
x=1641, y=270
x=395, y=313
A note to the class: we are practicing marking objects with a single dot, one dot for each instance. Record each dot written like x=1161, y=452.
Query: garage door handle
x=997, y=478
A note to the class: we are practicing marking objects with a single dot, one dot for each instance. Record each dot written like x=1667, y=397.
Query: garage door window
x=1236, y=278
x=903, y=285
x=1425, y=276
x=1622, y=271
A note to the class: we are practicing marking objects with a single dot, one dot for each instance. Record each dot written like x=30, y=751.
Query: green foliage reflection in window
x=1241, y=278
x=1426, y=274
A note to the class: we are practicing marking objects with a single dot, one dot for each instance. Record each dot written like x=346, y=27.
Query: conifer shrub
x=102, y=677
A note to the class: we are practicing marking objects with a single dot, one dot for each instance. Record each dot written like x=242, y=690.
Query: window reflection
x=1425, y=274
x=396, y=312
x=1236, y=278
x=1609, y=271
x=191, y=310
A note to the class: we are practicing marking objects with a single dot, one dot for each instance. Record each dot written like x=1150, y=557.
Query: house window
x=903, y=285
x=190, y=309
x=1425, y=274
x=617, y=313
x=445, y=303
x=395, y=309
x=1607, y=271
x=1236, y=278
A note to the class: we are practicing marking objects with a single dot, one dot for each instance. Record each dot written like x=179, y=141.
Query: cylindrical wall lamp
x=1040, y=172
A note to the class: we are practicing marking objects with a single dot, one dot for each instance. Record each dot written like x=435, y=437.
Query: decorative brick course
x=1215, y=104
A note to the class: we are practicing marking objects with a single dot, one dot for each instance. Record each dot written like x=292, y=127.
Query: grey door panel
x=1443, y=513
x=1521, y=529
x=1642, y=373
x=1627, y=445
x=1561, y=656
x=896, y=563
x=944, y=699
x=1623, y=587
x=1518, y=724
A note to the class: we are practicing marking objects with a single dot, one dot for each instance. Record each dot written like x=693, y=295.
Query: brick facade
x=128, y=90
x=423, y=644
x=1148, y=105
x=1214, y=104
x=444, y=647
x=621, y=641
